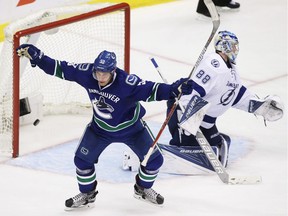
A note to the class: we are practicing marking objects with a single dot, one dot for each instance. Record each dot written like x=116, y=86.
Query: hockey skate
x=231, y=6
x=81, y=200
x=148, y=195
x=203, y=13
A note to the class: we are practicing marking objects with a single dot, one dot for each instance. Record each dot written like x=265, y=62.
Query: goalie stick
x=216, y=22
x=210, y=154
x=218, y=167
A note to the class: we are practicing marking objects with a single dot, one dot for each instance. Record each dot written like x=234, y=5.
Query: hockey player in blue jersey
x=216, y=81
x=117, y=117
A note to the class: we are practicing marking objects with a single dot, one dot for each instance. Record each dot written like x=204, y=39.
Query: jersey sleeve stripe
x=201, y=91
x=153, y=95
x=240, y=94
x=209, y=119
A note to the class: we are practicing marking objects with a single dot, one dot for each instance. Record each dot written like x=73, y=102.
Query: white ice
x=174, y=36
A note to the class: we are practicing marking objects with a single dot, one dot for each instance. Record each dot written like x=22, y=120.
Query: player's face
x=235, y=51
x=235, y=48
x=103, y=77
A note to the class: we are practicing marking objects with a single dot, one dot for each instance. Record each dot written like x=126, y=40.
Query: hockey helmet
x=227, y=43
x=105, y=62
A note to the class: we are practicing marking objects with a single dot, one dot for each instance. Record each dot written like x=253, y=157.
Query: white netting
x=79, y=42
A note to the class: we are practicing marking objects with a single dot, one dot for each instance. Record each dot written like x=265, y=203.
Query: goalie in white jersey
x=216, y=81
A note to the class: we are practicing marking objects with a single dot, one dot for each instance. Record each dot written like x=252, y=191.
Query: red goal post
x=78, y=38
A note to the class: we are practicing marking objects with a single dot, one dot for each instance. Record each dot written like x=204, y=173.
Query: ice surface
x=175, y=37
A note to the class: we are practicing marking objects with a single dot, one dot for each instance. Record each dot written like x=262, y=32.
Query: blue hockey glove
x=31, y=52
x=184, y=85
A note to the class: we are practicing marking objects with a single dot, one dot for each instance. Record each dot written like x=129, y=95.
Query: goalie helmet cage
x=78, y=38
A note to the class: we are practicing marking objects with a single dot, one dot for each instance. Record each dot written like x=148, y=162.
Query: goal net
x=74, y=34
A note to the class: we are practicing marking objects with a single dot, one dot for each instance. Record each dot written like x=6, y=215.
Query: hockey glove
x=184, y=85
x=271, y=108
x=31, y=52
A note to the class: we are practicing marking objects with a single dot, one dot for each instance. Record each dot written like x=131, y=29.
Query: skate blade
x=147, y=201
x=227, y=9
x=79, y=208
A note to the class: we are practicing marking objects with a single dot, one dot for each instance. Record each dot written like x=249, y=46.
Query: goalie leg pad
x=220, y=140
x=193, y=154
x=224, y=149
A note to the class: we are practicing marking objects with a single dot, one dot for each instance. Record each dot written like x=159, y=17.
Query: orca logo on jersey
x=227, y=97
x=101, y=105
x=215, y=63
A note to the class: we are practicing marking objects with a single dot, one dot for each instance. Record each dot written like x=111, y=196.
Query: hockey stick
x=156, y=66
x=216, y=22
x=210, y=154
x=218, y=167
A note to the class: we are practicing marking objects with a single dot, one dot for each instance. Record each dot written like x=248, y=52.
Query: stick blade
x=244, y=180
x=212, y=9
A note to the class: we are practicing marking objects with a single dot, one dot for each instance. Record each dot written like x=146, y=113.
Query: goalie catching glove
x=271, y=108
x=31, y=52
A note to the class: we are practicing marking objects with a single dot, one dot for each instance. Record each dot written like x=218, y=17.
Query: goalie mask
x=227, y=43
x=105, y=62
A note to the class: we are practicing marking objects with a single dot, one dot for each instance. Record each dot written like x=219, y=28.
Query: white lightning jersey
x=220, y=85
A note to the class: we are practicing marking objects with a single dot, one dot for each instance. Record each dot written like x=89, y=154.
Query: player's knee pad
x=82, y=164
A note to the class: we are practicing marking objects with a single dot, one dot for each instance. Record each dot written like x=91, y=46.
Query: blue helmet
x=105, y=62
x=227, y=42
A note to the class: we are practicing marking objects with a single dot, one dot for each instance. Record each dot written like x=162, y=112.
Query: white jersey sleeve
x=244, y=99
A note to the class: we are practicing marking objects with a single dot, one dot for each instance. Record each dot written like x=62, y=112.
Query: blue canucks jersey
x=116, y=107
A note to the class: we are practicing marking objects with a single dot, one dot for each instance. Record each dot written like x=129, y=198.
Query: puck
x=36, y=122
